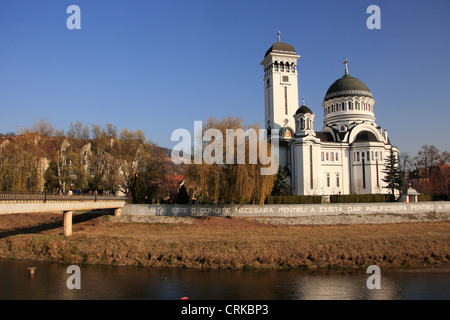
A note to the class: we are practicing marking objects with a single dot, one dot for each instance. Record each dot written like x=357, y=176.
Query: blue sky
x=161, y=65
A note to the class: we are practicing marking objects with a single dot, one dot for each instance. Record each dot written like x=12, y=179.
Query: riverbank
x=223, y=243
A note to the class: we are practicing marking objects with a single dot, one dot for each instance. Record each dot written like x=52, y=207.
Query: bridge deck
x=13, y=203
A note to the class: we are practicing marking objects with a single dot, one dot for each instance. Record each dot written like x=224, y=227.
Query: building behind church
x=348, y=155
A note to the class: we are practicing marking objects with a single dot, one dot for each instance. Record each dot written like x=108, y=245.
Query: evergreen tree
x=281, y=186
x=183, y=196
x=394, y=177
x=140, y=191
x=52, y=180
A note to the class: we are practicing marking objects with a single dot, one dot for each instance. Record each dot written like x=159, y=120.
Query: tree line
x=97, y=159
x=428, y=172
x=103, y=159
x=94, y=158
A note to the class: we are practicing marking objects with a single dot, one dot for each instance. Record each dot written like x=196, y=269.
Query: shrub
x=294, y=199
x=359, y=198
x=425, y=197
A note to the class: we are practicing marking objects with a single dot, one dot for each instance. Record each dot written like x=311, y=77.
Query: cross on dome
x=346, y=66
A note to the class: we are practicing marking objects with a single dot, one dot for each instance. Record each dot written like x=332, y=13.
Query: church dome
x=280, y=47
x=347, y=86
x=303, y=110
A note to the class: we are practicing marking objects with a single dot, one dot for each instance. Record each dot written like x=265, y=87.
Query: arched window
x=357, y=156
x=275, y=64
x=287, y=68
x=327, y=157
x=368, y=156
x=321, y=156
x=293, y=67
x=332, y=156
x=337, y=156
x=372, y=156
x=281, y=66
x=350, y=105
x=343, y=105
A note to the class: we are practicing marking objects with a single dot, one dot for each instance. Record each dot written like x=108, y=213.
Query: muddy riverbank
x=223, y=243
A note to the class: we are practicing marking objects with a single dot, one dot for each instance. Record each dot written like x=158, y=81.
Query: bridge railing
x=42, y=196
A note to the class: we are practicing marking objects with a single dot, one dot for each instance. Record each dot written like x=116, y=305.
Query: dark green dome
x=304, y=110
x=347, y=86
x=280, y=47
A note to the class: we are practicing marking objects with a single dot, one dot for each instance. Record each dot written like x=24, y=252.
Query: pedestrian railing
x=43, y=196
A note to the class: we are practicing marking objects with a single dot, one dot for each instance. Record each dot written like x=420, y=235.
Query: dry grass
x=233, y=243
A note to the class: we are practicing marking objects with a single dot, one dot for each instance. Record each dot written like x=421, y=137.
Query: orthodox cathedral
x=348, y=155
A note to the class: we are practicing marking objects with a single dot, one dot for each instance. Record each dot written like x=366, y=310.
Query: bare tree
x=44, y=127
x=430, y=170
x=111, y=130
x=96, y=131
x=405, y=162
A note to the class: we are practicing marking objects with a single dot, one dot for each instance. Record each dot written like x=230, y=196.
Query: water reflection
x=109, y=282
x=336, y=285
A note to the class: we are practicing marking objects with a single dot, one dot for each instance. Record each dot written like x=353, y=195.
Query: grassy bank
x=225, y=243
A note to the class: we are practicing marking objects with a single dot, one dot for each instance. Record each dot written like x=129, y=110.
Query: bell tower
x=280, y=85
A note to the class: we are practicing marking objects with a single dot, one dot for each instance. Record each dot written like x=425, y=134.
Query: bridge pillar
x=67, y=215
x=118, y=212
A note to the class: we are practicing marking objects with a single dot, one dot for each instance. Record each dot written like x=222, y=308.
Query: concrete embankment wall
x=315, y=214
x=287, y=210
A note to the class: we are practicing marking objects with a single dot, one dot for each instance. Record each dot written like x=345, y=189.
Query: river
x=121, y=282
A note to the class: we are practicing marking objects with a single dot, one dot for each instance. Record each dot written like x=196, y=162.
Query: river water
x=120, y=282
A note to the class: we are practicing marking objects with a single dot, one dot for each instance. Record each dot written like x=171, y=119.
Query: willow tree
x=20, y=164
x=150, y=171
x=230, y=170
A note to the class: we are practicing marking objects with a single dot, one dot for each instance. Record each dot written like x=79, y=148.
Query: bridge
x=13, y=203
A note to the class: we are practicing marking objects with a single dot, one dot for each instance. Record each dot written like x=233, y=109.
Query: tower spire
x=346, y=66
